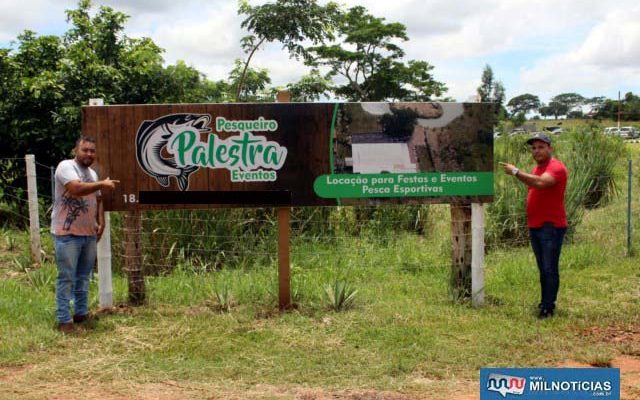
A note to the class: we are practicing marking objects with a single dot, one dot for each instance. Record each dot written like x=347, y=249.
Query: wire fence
x=341, y=239
x=14, y=202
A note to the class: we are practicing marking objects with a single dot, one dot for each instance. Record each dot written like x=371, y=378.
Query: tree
x=554, y=108
x=524, y=103
x=487, y=88
x=46, y=79
x=631, y=107
x=310, y=87
x=367, y=57
x=492, y=91
x=289, y=22
x=568, y=101
x=255, y=81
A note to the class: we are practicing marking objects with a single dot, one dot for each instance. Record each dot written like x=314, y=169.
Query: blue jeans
x=547, y=243
x=76, y=257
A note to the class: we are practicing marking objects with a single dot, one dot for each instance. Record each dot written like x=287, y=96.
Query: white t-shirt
x=74, y=215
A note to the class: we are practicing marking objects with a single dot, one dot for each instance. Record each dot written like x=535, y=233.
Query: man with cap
x=546, y=215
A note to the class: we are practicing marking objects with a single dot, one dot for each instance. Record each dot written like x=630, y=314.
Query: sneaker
x=545, y=313
x=66, y=327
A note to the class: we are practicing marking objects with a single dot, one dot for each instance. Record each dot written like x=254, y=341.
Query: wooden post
x=133, y=256
x=284, y=267
x=34, y=217
x=284, y=214
x=460, y=284
x=105, y=285
x=477, y=254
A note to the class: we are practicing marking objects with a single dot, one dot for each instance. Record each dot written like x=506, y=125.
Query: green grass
x=403, y=330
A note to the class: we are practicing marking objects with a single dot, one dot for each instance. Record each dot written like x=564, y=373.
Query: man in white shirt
x=77, y=222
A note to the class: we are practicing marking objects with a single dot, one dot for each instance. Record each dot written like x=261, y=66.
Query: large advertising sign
x=298, y=154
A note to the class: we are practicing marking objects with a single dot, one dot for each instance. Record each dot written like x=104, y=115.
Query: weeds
x=340, y=295
x=40, y=278
x=224, y=299
x=10, y=242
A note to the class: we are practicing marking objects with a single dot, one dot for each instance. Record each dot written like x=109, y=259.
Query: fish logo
x=151, y=139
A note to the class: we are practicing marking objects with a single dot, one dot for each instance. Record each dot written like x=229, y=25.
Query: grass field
x=404, y=338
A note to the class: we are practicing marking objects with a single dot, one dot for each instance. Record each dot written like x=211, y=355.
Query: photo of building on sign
x=411, y=137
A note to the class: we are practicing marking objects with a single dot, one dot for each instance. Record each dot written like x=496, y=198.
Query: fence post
x=105, y=279
x=629, y=173
x=133, y=256
x=460, y=283
x=105, y=285
x=477, y=254
x=34, y=217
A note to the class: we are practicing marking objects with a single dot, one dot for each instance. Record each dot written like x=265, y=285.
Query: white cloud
x=16, y=16
x=542, y=47
x=615, y=42
x=606, y=61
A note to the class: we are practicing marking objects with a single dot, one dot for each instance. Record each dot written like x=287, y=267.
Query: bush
x=590, y=158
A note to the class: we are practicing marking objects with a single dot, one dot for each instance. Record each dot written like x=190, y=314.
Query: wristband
x=515, y=171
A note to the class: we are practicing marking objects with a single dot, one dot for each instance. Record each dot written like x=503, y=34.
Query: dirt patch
x=13, y=386
x=615, y=334
x=628, y=337
x=7, y=374
x=171, y=390
x=629, y=374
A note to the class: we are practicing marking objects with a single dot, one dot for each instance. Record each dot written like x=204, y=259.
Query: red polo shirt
x=547, y=205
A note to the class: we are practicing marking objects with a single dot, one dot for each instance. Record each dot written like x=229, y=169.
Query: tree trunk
x=244, y=70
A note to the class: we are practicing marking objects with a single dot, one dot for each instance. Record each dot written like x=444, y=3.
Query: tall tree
x=524, y=103
x=554, y=108
x=492, y=91
x=568, y=100
x=485, y=90
x=368, y=58
x=289, y=22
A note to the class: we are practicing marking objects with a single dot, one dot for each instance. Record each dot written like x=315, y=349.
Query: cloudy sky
x=543, y=47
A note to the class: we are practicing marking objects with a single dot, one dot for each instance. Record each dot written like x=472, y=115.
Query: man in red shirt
x=546, y=215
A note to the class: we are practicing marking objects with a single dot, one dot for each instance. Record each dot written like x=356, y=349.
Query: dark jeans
x=547, y=243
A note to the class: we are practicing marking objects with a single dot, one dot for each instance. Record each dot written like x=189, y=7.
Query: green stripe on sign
x=426, y=184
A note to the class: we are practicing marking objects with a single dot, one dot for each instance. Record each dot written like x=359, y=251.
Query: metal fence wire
x=412, y=238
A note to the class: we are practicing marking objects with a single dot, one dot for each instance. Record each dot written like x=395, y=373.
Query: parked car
x=612, y=130
x=517, y=131
x=629, y=132
x=554, y=130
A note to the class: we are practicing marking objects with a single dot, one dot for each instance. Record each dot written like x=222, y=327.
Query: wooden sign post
x=284, y=240
x=284, y=266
